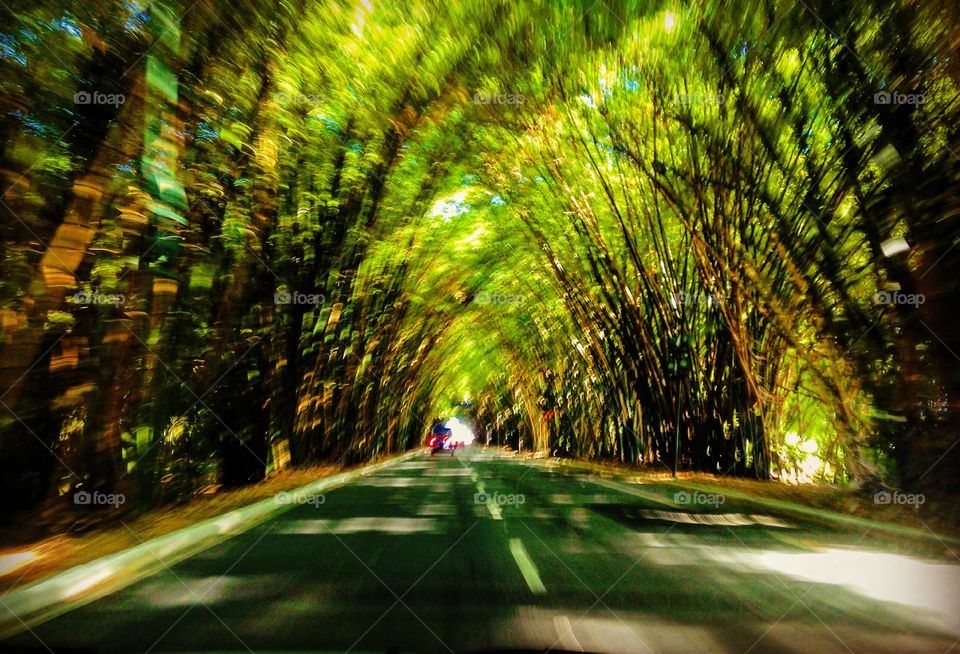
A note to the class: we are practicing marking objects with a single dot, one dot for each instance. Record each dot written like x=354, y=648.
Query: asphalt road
x=481, y=552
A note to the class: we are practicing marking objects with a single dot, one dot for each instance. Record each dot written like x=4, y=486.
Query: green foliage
x=602, y=224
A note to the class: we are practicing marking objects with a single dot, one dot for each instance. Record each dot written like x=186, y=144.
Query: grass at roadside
x=937, y=519
x=33, y=547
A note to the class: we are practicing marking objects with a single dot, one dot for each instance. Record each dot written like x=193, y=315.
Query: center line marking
x=489, y=503
x=527, y=568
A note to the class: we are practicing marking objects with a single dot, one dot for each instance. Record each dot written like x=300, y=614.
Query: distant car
x=442, y=441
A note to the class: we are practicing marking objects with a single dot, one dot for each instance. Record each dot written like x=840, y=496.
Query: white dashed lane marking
x=527, y=567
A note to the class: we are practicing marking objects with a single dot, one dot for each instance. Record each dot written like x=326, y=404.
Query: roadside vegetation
x=238, y=238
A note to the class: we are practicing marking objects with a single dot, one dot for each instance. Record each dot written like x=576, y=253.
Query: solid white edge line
x=64, y=591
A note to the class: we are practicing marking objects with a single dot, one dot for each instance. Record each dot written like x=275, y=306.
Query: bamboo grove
x=242, y=236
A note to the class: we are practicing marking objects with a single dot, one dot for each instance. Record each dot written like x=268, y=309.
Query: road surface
x=483, y=551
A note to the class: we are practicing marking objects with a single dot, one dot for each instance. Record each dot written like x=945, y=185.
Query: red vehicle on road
x=441, y=439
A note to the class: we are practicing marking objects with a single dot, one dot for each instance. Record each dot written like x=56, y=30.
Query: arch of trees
x=241, y=235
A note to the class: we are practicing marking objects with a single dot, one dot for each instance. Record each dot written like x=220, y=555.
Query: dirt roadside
x=35, y=546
